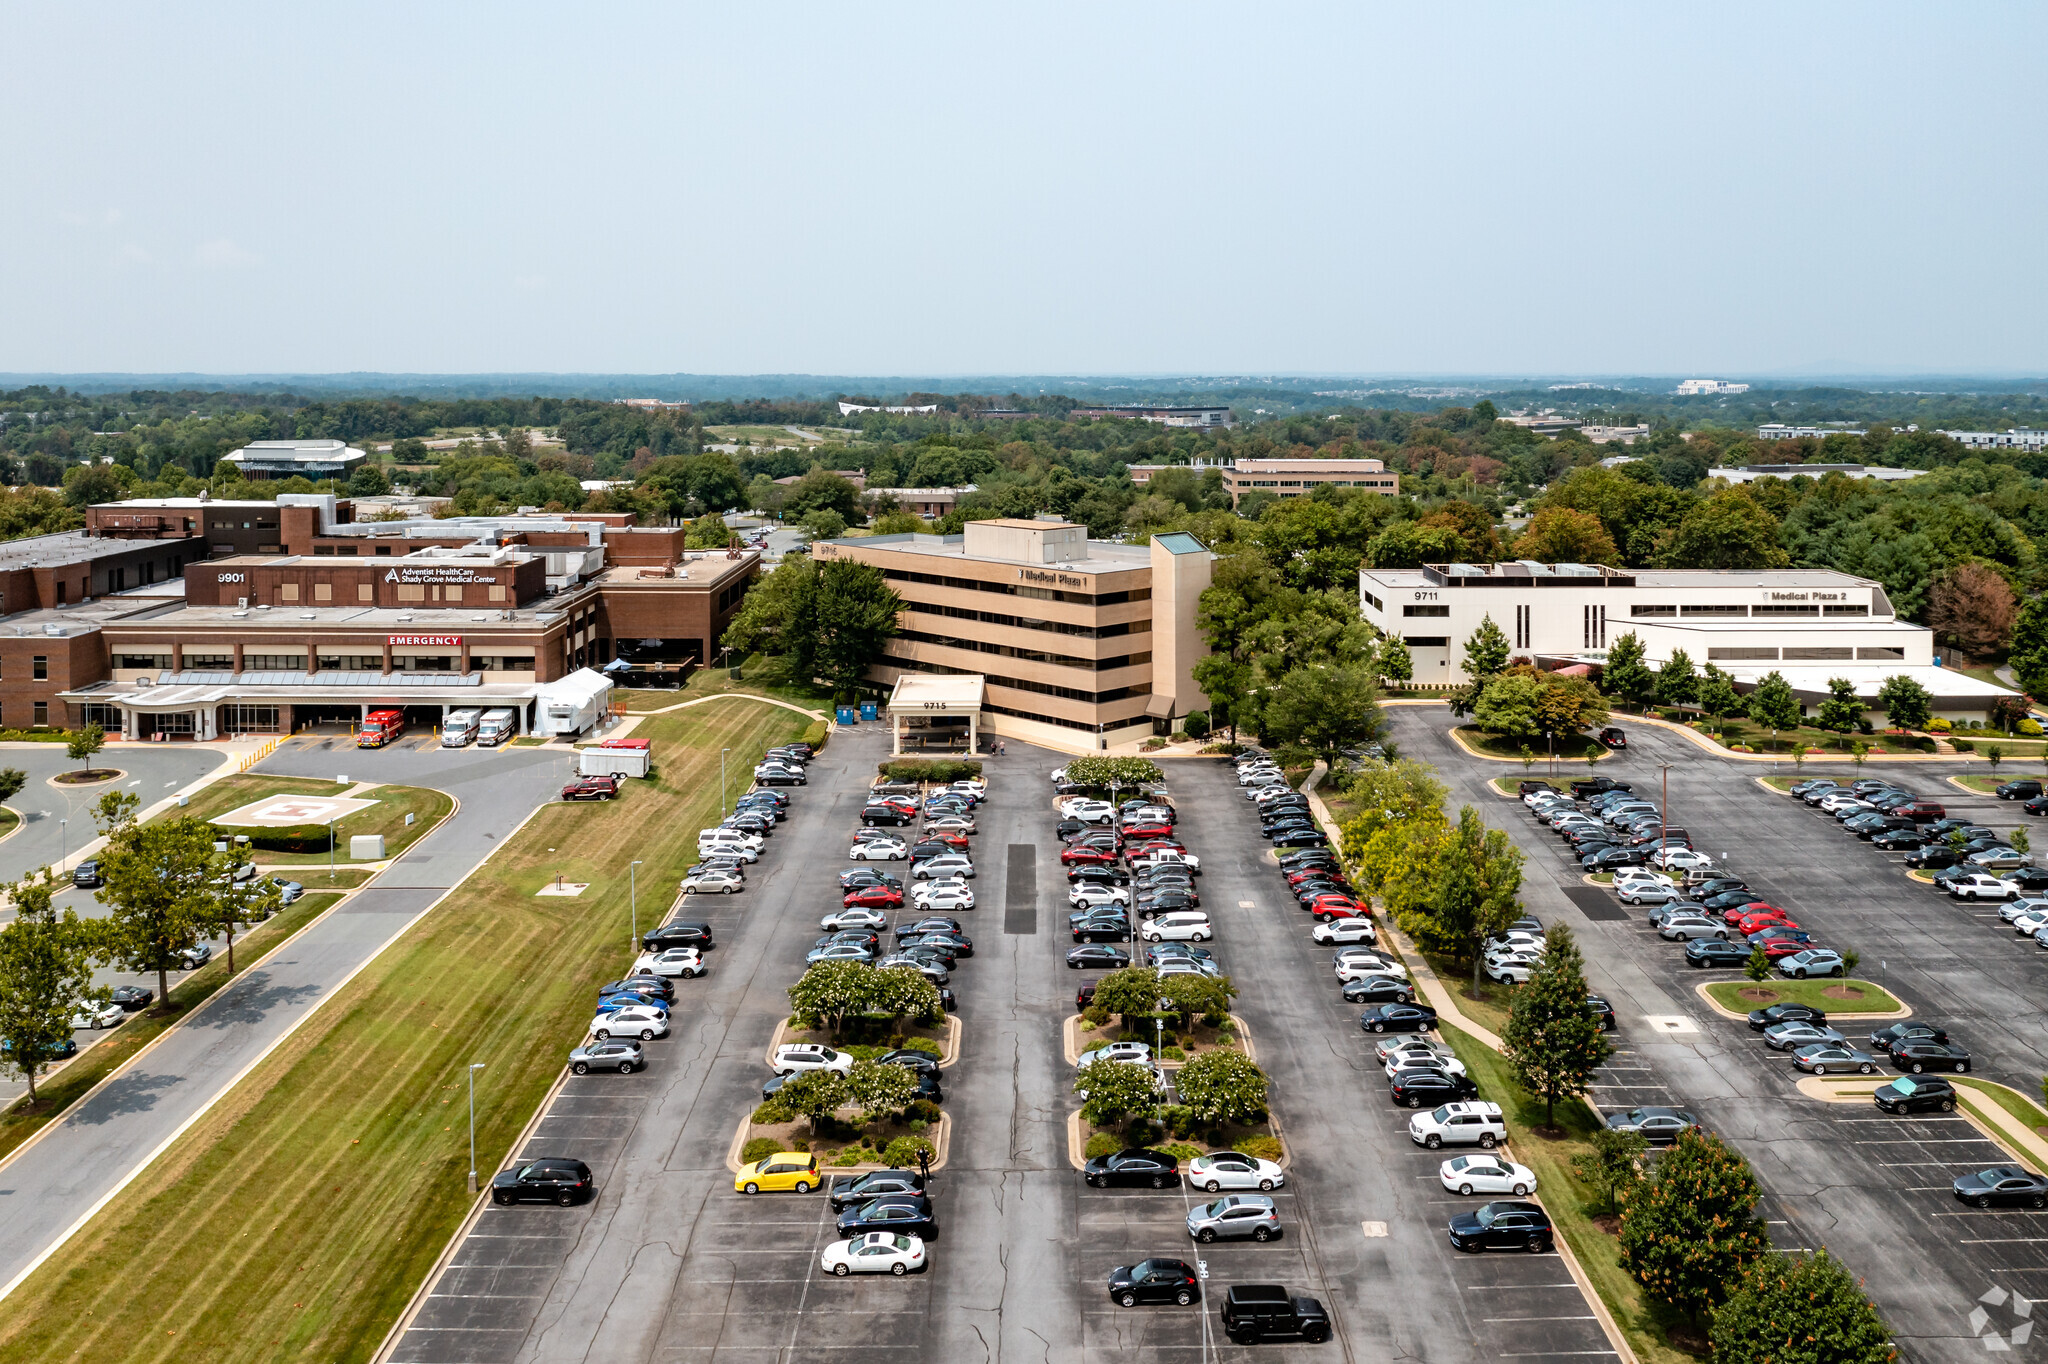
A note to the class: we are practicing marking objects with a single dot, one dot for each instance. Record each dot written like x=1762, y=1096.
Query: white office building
x=2031, y=439
x=1810, y=625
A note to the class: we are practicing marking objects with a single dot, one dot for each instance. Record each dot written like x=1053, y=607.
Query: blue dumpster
x=867, y=710
x=846, y=715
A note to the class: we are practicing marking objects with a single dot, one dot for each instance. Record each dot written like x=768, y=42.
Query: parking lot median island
x=355, y=1173
x=946, y=1037
x=2018, y=1117
x=857, y=1149
x=1837, y=998
x=1078, y=1037
x=1508, y=748
x=285, y=835
x=1978, y=786
x=1085, y=1141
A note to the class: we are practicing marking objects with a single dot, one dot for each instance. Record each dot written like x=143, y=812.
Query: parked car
x=2004, y=1186
x=1916, y=1057
x=1470, y=1175
x=1826, y=1058
x=1398, y=1018
x=1909, y=1094
x=1658, y=1126
x=875, y=1252
x=794, y=1171
x=591, y=788
x=547, y=1179
x=1459, y=1124
x=713, y=883
x=1504, y=1225
x=634, y=1020
x=622, y=1056
x=1256, y=1312
x=1221, y=1170
x=1814, y=961
x=1137, y=1167
x=1154, y=1281
x=792, y=1057
x=1235, y=1218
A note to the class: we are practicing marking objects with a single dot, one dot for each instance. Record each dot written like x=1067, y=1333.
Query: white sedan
x=1353, y=964
x=1117, y=1051
x=1345, y=931
x=951, y=824
x=1486, y=1174
x=922, y=891
x=2025, y=924
x=1682, y=859
x=949, y=896
x=635, y=1020
x=713, y=883
x=1422, y=1060
x=860, y=916
x=97, y=1016
x=878, y=1252
x=878, y=851
x=1221, y=1170
x=676, y=961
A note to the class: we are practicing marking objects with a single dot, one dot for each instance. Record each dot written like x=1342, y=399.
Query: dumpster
x=867, y=710
x=846, y=715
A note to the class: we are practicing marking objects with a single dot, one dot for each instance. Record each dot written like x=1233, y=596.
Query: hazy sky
x=871, y=189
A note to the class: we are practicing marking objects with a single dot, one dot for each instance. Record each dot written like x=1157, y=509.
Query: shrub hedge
x=759, y=1149
x=929, y=769
x=816, y=735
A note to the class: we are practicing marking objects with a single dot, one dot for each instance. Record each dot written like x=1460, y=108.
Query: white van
x=1183, y=925
x=458, y=727
x=496, y=726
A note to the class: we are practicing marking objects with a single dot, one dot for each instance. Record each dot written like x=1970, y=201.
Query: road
x=58, y=819
x=49, y=1186
x=1874, y=1192
x=669, y=1264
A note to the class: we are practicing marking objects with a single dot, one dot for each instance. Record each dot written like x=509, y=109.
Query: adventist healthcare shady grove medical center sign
x=406, y=574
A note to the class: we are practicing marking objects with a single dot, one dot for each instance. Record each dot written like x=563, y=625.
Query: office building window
x=162, y=660
x=365, y=592
x=273, y=663
x=41, y=666
x=1427, y=641
x=1817, y=652
x=1882, y=653
x=1521, y=627
x=1439, y=612
x=323, y=591
x=1602, y=628
x=196, y=662
x=1734, y=654
x=288, y=592
x=1783, y=609
x=1371, y=600
x=1653, y=611
x=42, y=714
x=1715, y=610
x=1845, y=610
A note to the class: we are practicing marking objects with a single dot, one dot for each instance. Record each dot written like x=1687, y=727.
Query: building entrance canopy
x=932, y=710
x=214, y=701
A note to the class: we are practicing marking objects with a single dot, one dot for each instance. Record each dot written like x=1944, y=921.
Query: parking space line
x=2004, y=1241
x=1588, y=1317
x=1483, y=1287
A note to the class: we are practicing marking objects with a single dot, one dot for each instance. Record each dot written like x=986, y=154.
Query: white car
x=1386, y=1047
x=1640, y=874
x=1088, y=811
x=951, y=895
x=878, y=850
x=675, y=961
x=922, y=891
x=738, y=851
x=2026, y=923
x=1345, y=931
x=1486, y=1174
x=1117, y=1051
x=722, y=834
x=860, y=916
x=2025, y=904
x=1183, y=925
x=878, y=1252
x=1459, y=1124
x=713, y=883
x=1416, y=1058
x=1999, y=858
x=634, y=1020
x=97, y=1016
x=1515, y=939
x=950, y=824
x=946, y=866
x=792, y=1057
x=1252, y=773
x=1220, y=1170
x=1363, y=960
x=1682, y=859
x=1188, y=966
x=1167, y=857
x=1980, y=886
x=1092, y=893
x=1842, y=800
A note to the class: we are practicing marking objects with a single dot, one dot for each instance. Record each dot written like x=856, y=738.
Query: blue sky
x=1733, y=190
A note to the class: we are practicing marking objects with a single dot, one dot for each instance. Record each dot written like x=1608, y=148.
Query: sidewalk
x=235, y=758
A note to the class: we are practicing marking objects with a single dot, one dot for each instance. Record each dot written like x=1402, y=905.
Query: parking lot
x=1830, y=1178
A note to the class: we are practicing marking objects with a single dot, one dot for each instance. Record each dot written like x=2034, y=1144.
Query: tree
x=1905, y=703
x=821, y=490
x=841, y=621
x=1800, y=1310
x=243, y=899
x=1994, y=754
x=163, y=889
x=1396, y=664
x=12, y=779
x=1114, y=1090
x=1528, y=759
x=1689, y=1234
x=368, y=481
x=1508, y=705
x=1726, y=529
x=86, y=742
x=762, y=623
x=708, y=532
x=1197, y=996
x=2018, y=841
x=1717, y=694
x=1114, y=773
x=1560, y=535
x=1677, y=683
x=2029, y=655
x=1486, y=650
x=1758, y=967
x=1972, y=608
x=1772, y=704
x=1567, y=705
x=1859, y=753
x=904, y=992
x=1553, y=1041
x=1625, y=674
x=1196, y=724
x=45, y=977
x=1131, y=992
x=824, y=524
x=1223, y=1086
x=1615, y=1163
x=833, y=991
x=1322, y=708
x=879, y=1090
x=1843, y=710
x=815, y=1094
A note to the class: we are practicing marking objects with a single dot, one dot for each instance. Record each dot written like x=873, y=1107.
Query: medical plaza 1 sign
x=424, y=641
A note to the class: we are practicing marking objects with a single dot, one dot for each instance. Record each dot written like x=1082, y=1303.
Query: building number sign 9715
x=935, y=705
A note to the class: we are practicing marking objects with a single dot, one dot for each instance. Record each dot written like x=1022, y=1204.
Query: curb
x=1472, y=752
x=1957, y=782
x=1905, y=1010
x=941, y=1137
x=1070, y=1042
x=950, y=1054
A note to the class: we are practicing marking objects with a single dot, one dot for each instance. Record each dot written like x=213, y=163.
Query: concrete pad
x=277, y=812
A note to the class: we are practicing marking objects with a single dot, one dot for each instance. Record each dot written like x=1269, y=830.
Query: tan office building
x=1297, y=477
x=1083, y=644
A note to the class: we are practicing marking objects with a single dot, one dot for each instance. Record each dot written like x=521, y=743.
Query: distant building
x=1692, y=388
x=1141, y=474
x=314, y=459
x=2013, y=438
x=1544, y=423
x=1004, y=414
x=1165, y=416
x=657, y=404
x=1780, y=431
x=1749, y=473
x=848, y=409
x=1606, y=435
x=924, y=501
x=856, y=477
x=1295, y=477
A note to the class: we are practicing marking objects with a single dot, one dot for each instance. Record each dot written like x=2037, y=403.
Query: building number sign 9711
x=1425, y=596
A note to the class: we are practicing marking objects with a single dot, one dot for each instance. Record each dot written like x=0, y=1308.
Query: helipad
x=277, y=812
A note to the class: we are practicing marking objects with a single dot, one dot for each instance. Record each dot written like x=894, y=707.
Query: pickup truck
x=601, y=787
x=1261, y=1311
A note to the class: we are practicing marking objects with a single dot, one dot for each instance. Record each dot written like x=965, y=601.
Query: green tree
x=834, y=991
x=1560, y=535
x=1395, y=662
x=1689, y=1234
x=815, y=1094
x=368, y=481
x=45, y=977
x=821, y=490
x=2029, y=655
x=1806, y=1309
x=1717, y=694
x=12, y=779
x=1859, y=753
x=243, y=899
x=842, y=623
x=1905, y=703
x=1842, y=711
x=878, y=1090
x=1994, y=754
x=1758, y=967
x=1476, y=880
x=1509, y=706
x=897, y=523
x=1486, y=650
x=1677, y=683
x=1772, y=704
x=1223, y=1086
x=903, y=992
x=762, y=623
x=84, y=743
x=708, y=532
x=1114, y=1090
x=1614, y=1165
x=1726, y=529
x=1625, y=674
x=824, y=524
x=1131, y=992
x=2018, y=841
x=1323, y=708
x=163, y=891
x=1121, y=774
x=1554, y=1043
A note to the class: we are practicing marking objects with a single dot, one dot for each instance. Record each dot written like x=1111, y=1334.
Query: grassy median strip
x=387, y=817
x=296, y=1219
x=1824, y=993
x=70, y=1084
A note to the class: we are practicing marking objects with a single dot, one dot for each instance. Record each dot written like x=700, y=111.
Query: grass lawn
x=779, y=434
x=1571, y=1203
x=2013, y=1103
x=1989, y=784
x=1570, y=748
x=18, y=1124
x=2014, y=750
x=231, y=793
x=763, y=674
x=297, y=1218
x=8, y=821
x=1862, y=996
x=386, y=817
x=1488, y=1008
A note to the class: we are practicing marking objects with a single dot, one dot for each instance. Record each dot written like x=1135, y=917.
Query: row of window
x=1771, y=609
x=1027, y=623
x=348, y=551
x=1433, y=611
x=1019, y=589
x=1028, y=655
x=296, y=662
x=1096, y=698
x=1812, y=653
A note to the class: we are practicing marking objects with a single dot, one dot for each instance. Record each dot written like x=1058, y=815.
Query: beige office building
x=1299, y=477
x=1083, y=644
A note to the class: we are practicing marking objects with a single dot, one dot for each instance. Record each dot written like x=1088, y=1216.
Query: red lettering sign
x=450, y=641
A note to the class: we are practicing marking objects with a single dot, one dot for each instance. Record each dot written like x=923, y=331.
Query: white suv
x=1459, y=1124
x=792, y=1057
x=1183, y=925
x=1091, y=894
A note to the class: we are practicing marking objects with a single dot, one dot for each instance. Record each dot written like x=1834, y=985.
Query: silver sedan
x=1824, y=1058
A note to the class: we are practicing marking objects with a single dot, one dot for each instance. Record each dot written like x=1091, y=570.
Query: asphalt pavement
x=51, y=1185
x=1873, y=1190
x=58, y=819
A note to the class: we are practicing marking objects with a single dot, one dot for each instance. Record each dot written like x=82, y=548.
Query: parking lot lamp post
x=63, y=843
x=1664, y=811
x=330, y=848
x=633, y=875
x=721, y=781
x=472, y=1124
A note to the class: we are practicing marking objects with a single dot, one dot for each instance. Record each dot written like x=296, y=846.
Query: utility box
x=366, y=848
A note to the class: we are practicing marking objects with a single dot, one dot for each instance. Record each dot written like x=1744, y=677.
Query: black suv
x=1261, y=1311
x=851, y=1192
x=86, y=875
x=872, y=815
x=549, y=1179
x=681, y=933
x=2018, y=790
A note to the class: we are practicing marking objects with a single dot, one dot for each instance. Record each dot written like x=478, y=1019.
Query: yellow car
x=797, y=1170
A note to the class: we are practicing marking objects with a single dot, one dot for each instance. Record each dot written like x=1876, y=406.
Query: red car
x=1149, y=831
x=1775, y=948
x=950, y=837
x=1072, y=855
x=1754, y=907
x=908, y=803
x=1295, y=878
x=873, y=897
x=1157, y=845
x=1752, y=923
x=591, y=788
x=1331, y=905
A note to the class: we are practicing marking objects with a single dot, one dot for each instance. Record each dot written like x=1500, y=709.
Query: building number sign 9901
x=230, y=578
x=1425, y=596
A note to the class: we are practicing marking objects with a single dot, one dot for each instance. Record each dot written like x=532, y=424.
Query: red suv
x=1921, y=811
x=591, y=788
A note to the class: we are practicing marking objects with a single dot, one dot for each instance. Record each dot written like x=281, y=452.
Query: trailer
x=614, y=757
x=574, y=704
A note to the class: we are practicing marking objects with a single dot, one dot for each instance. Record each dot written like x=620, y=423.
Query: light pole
x=633, y=875
x=472, y=1124
x=1664, y=812
x=330, y=848
x=721, y=781
x=63, y=843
